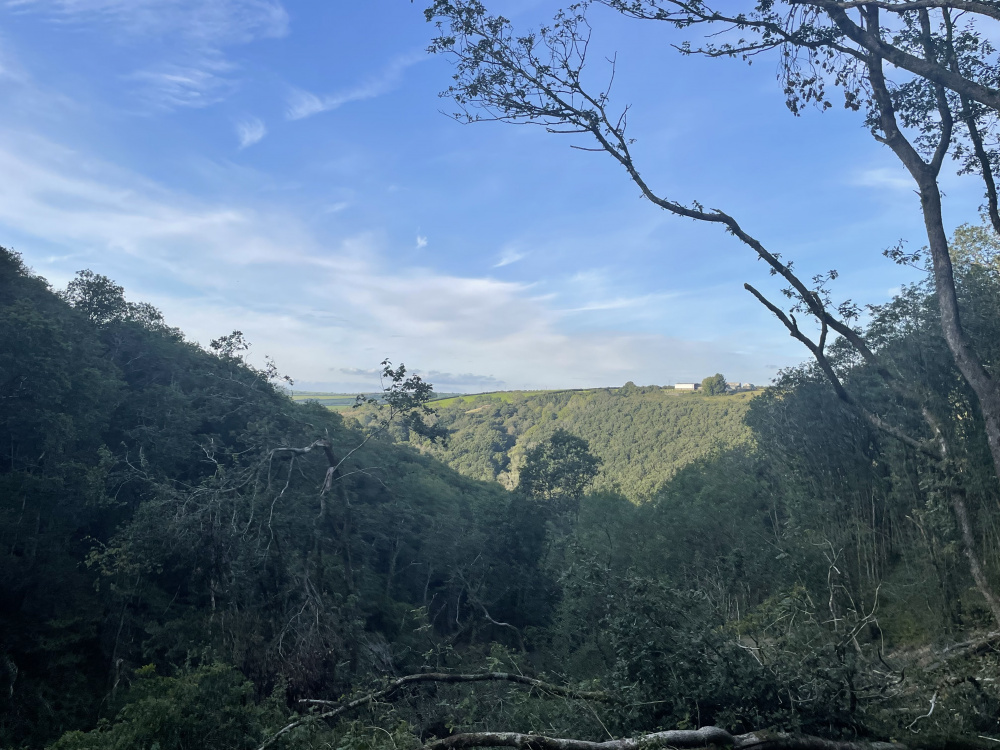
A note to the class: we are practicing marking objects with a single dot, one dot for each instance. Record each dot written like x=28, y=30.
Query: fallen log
x=681, y=739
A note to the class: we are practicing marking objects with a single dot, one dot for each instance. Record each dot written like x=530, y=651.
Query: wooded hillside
x=190, y=559
x=643, y=435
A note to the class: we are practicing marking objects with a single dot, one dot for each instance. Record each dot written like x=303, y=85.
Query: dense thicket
x=187, y=554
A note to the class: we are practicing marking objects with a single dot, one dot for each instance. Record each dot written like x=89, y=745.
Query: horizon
x=294, y=390
x=277, y=172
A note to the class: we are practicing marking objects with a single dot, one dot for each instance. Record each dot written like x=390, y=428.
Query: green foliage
x=714, y=385
x=211, y=707
x=642, y=435
x=558, y=469
x=103, y=302
x=185, y=566
x=145, y=518
x=403, y=399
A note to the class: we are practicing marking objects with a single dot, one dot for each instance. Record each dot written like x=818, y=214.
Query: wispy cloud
x=316, y=304
x=203, y=22
x=27, y=99
x=176, y=86
x=421, y=242
x=885, y=177
x=617, y=303
x=195, y=72
x=10, y=69
x=302, y=104
x=465, y=381
x=509, y=256
x=250, y=130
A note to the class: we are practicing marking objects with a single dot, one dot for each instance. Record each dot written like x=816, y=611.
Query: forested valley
x=191, y=559
x=642, y=435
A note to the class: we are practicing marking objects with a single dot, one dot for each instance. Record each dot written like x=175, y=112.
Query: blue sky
x=285, y=169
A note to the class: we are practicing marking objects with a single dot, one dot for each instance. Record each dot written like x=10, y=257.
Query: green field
x=343, y=401
x=503, y=396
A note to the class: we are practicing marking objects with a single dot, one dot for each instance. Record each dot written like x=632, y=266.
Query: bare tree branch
x=436, y=677
x=682, y=739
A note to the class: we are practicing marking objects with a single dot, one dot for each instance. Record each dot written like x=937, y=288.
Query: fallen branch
x=394, y=687
x=924, y=716
x=682, y=739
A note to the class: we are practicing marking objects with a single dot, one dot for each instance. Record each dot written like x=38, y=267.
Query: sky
x=289, y=169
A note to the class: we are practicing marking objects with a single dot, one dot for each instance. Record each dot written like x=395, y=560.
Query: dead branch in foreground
x=682, y=739
x=445, y=677
x=394, y=687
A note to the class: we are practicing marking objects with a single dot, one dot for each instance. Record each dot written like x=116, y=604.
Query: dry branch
x=682, y=739
x=413, y=679
x=340, y=707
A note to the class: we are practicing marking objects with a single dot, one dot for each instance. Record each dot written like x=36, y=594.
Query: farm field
x=343, y=401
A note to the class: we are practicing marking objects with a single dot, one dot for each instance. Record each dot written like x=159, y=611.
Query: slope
x=643, y=435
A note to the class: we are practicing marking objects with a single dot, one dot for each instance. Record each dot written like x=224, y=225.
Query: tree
x=103, y=302
x=714, y=385
x=558, y=469
x=941, y=102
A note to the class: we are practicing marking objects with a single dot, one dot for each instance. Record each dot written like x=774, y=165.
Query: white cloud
x=465, y=381
x=170, y=86
x=250, y=130
x=618, y=303
x=202, y=22
x=892, y=178
x=509, y=256
x=421, y=242
x=195, y=73
x=317, y=305
x=302, y=104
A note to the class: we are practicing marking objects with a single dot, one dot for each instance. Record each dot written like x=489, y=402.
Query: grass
x=344, y=401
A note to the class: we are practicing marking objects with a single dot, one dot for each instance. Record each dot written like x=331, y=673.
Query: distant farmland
x=342, y=401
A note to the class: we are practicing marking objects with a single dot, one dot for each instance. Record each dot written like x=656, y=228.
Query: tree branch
x=396, y=686
x=870, y=40
x=972, y=6
x=819, y=354
x=682, y=739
